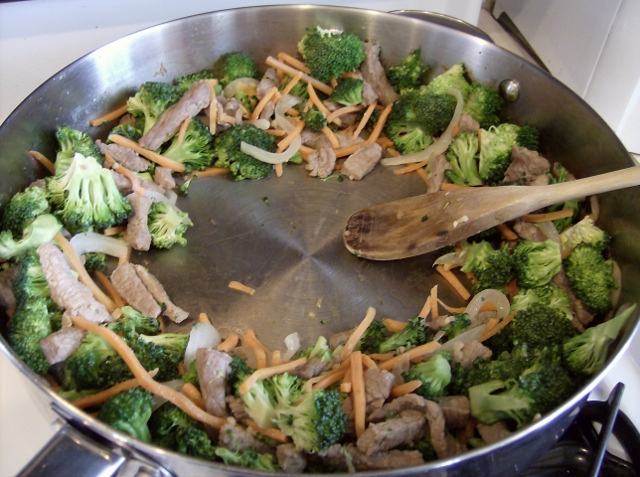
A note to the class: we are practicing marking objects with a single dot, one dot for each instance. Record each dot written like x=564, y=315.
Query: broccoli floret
x=528, y=137
x=30, y=324
x=191, y=375
x=238, y=65
x=240, y=371
x=299, y=89
x=435, y=375
x=249, y=458
x=316, y=423
x=195, y=442
x=548, y=295
x=414, y=334
x=260, y=402
x=490, y=268
x=72, y=141
x=373, y=119
x=496, y=143
x=227, y=151
x=185, y=82
x=127, y=130
x=590, y=277
x=164, y=424
x=152, y=100
x=572, y=204
x=462, y=155
x=319, y=351
x=42, y=230
x=30, y=281
x=313, y=118
x=348, y=92
x=406, y=74
x=587, y=352
x=459, y=325
x=23, y=209
x=95, y=262
x=482, y=104
x=330, y=54
x=86, y=196
x=133, y=323
x=497, y=400
x=585, y=231
x=195, y=151
x=536, y=263
x=166, y=225
x=129, y=412
x=453, y=78
x=163, y=351
x=372, y=337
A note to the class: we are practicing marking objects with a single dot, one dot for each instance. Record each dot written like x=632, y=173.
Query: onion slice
x=87, y=242
x=489, y=295
x=259, y=123
x=283, y=105
x=203, y=335
x=232, y=88
x=292, y=342
x=272, y=157
x=452, y=258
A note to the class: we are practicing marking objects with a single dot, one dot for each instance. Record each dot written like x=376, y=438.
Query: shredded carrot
x=183, y=130
x=434, y=302
x=385, y=142
x=240, y=287
x=394, y=325
x=313, y=97
x=294, y=81
x=340, y=111
x=293, y=112
x=368, y=362
x=490, y=332
x=560, y=214
x=357, y=334
x=271, y=432
x=268, y=372
x=328, y=380
x=146, y=381
x=332, y=137
x=117, y=313
x=225, y=118
x=209, y=172
x=512, y=288
x=286, y=142
x=114, y=230
x=42, y=159
x=261, y=356
x=350, y=74
x=276, y=359
x=358, y=393
x=203, y=318
x=405, y=388
x=278, y=168
x=506, y=232
x=213, y=106
x=250, y=334
x=365, y=119
x=53, y=383
x=348, y=150
x=78, y=267
x=127, y=255
x=448, y=186
x=342, y=368
x=181, y=369
x=230, y=343
x=411, y=167
x=451, y=309
x=393, y=152
x=426, y=308
x=263, y=102
x=454, y=282
x=276, y=132
x=108, y=286
x=110, y=116
x=102, y=396
x=334, y=82
x=345, y=385
x=423, y=175
x=380, y=124
x=193, y=393
x=151, y=155
x=414, y=353
x=325, y=88
x=381, y=356
x=488, y=307
x=129, y=174
x=296, y=63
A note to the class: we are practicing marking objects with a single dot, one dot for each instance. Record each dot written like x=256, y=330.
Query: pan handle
x=445, y=20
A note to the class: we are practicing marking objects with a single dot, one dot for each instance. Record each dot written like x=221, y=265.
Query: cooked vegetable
x=406, y=74
x=129, y=412
x=227, y=151
x=348, y=92
x=591, y=277
x=151, y=100
x=435, y=375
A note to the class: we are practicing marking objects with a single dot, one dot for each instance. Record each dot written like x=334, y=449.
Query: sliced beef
x=269, y=80
x=310, y=137
x=338, y=339
x=393, y=459
x=236, y=438
x=66, y=291
x=60, y=345
x=408, y=402
x=526, y=166
x=468, y=124
x=311, y=368
x=466, y=352
x=138, y=235
x=130, y=287
x=373, y=73
x=377, y=385
x=123, y=184
x=125, y=156
x=391, y=433
x=39, y=183
x=528, y=231
x=290, y=460
x=321, y=162
x=163, y=176
x=456, y=410
x=268, y=111
x=7, y=297
x=437, y=430
x=361, y=162
x=557, y=170
x=494, y=432
x=581, y=316
x=213, y=368
x=437, y=166
x=369, y=95
x=346, y=139
x=237, y=408
x=170, y=310
x=192, y=102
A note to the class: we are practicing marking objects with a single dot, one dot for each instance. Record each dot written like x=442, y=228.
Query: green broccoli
x=536, y=263
x=238, y=65
x=152, y=99
x=373, y=119
x=191, y=375
x=587, y=352
x=458, y=325
x=435, y=375
x=549, y=295
x=482, y=104
x=249, y=458
x=462, y=155
x=86, y=196
x=227, y=151
x=329, y=54
x=320, y=351
x=185, y=82
x=127, y=130
x=163, y=351
x=23, y=209
x=129, y=412
x=585, y=231
x=313, y=118
x=414, y=334
x=30, y=324
x=372, y=337
x=590, y=277
x=133, y=323
x=267, y=398
x=496, y=144
x=406, y=74
x=195, y=442
x=71, y=141
x=30, y=281
x=195, y=151
x=490, y=268
x=299, y=89
x=453, y=78
x=95, y=262
x=42, y=230
x=348, y=92
x=166, y=225
x=571, y=204
x=240, y=371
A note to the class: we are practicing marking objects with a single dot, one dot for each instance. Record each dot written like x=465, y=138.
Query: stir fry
x=540, y=293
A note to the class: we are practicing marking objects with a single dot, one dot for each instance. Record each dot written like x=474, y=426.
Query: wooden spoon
x=417, y=225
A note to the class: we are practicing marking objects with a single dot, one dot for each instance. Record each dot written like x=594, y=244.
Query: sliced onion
x=203, y=335
x=260, y=123
x=232, y=88
x=272, y=157
x=439, y=146
x=292, y=342
x=549, y=230
x=171, y=195
x=489, y=295
x=473, y=334
x=595, y=207
x=282, y=107
x=87, y=242
x=175, y=384
x=453, y=258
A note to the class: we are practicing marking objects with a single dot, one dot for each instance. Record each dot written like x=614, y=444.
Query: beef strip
x=268, y=111
x=66, y=291
x=170, y=310
x=7, y=277
x=310, y=137
x=213, y=369
x=581, y=316
x=60, y=345
x=346, y=139
x=525, y=166
x=163, y=176
x=237, y=408
x=529, y=231
x=391, y=433
x=125, y=156
x=130, y=287
x=290, y=460
x=311, y=368
x=468, y=124
x=38, y=183
x=192, y=102
x=393, y=459
x=408, y=402
x=124, y=186
x=437, y=431
x=466, y=352
x=377, y=385
x=373, y=73
x=361, y=162
x=437, y=166
x=494, y=432
x=338, y=339
x=369, y=95
x=269, y=80
x=321, y=162
x=138, y=235
x=236, y=438
x=456, y=410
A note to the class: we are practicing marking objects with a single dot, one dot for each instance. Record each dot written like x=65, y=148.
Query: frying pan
x=283, y=236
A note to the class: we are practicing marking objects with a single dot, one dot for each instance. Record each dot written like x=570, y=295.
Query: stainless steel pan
x=283, y=236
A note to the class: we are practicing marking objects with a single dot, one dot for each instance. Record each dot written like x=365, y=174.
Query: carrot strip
x=276, y=359
x=286, y=142
x=357, y=334
x=53, y=383
x=151, y=155
x=114, y=230
x=411, y=167
x=423, y=175
x=381, y=356
x=488, y=307
x=250, y=334
x=394, y=325
x=276, y=132
x=102, y=396
x=393, y=152
x=193, y=393
x=506, y=232
x=350, y=74
x=434, y=302
x=146, y=381
x=385, y=142
x=490, y=332
x=365, y=119
x=110, y=116
x=78, y=267
x=334, y=82
x=414, y=353
x=261, y=356
x=368, y=362
x=451, y=309
x=268, y=372
x=278, y=168
x=560, y=214
x=380, y=124
x=325, y=88
x=42, y=159
x=345, y=110
x=454, y=282
x=348, y=150
x=448, y=186
x=345, y=386
x=240, y=287
x=405, y=388
x=129, y=174
x=263, y=102
x=271, y=432
x=203, y=318
x=359, y=397
x=332, y=137
x=113, y=293
x=213, y=106
x=296, y=63
x=294, y=81
x=183, y=130
x=343, y=367
x=426, y=308
x=313, y=96
x=124, y=259
x=230, y=343
x=209, y=172
x=328, y=380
